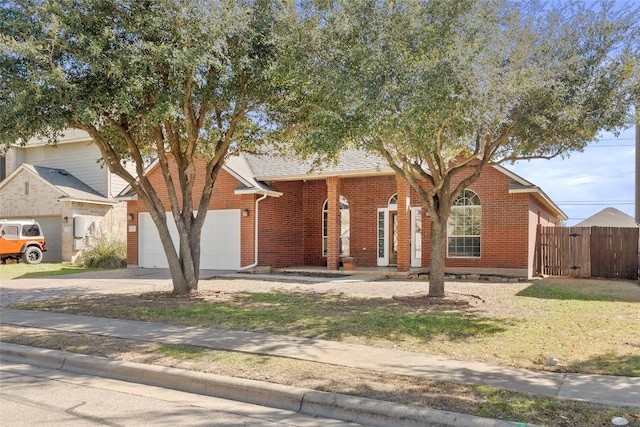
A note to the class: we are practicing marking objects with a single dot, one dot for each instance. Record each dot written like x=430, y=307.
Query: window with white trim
x=464, y=226
x=344, y=227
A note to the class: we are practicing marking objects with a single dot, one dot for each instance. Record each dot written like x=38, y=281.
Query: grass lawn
x=22, y=270
x=589, y=326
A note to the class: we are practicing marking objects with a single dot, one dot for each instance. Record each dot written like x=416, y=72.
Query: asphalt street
x=32, y=396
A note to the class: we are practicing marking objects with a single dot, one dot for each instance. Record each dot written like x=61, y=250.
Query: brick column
x=404, y=226
x=333, y=223
x=247, y=229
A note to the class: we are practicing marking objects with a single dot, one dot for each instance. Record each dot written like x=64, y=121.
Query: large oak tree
x=171, y=80
x=441, y=89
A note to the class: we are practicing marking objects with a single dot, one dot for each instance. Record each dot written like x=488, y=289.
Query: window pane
x=464, y=226
x=10, y=231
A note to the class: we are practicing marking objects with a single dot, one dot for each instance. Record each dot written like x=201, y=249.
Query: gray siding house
x=67, y=190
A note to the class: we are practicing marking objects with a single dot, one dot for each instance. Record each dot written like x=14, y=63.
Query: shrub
x=105, y=254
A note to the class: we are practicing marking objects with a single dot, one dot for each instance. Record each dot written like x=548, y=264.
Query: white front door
x=387, y=237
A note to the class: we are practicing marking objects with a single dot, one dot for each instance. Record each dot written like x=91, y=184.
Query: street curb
x=370, y=412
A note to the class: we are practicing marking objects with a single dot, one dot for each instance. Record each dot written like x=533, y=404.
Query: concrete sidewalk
x=593, y=388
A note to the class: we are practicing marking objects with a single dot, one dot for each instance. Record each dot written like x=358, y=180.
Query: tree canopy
x=443, y=88
x=440, y=88
x=174, y=80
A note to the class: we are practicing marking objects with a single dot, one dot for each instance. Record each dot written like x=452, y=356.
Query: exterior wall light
x=245, y=212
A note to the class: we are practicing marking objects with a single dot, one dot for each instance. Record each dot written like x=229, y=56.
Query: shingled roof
x=68, y=185
x=609, y=217
x=274, y=167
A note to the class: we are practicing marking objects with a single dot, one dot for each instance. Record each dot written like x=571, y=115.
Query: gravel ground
x=356, y=288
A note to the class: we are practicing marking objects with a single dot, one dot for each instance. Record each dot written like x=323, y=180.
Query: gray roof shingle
x=270, y=167
x=69, y=185
x=609, y=217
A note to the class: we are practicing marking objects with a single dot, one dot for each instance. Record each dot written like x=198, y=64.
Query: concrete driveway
x=124, y=280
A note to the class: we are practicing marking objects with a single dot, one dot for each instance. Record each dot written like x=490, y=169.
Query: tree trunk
x=438, y=252
x=184, y=265
x=184, y=280
x=185, y=277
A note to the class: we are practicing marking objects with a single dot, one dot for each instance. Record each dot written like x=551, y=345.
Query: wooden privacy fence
x=609, y=252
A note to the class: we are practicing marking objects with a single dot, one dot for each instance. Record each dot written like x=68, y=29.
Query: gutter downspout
x=255, y=244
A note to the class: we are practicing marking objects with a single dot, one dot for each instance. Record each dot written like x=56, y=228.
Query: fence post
x=538, y=251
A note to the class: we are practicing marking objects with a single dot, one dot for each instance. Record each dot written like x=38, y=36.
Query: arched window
x=464, y=226
x=344, y=226
x=393, y=200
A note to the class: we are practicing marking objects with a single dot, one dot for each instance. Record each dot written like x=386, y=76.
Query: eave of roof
x=247, y=190
x=323, y=175
x=521, y=185
x=109, y=202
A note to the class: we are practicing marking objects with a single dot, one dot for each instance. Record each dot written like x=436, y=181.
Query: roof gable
x=68, y=186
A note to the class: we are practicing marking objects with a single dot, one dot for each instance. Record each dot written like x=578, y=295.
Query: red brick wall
x=133, y=207
x=314, y=196
x=365, y=196
x=281, y=233
x=223, y=196
x=247, y=229
x=333, y=222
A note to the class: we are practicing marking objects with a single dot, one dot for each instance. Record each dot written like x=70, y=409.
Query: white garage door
x=220, y=243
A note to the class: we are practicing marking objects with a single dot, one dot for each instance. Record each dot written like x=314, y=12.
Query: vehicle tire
x=33, y=255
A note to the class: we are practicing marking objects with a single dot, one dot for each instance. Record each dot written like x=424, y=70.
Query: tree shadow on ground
x=610, y=363
x=60, y=272
x=307, y=315
x=334, y=316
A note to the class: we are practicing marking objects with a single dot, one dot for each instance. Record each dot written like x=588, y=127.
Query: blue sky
x=586, y=182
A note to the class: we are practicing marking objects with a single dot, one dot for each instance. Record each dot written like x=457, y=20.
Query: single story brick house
x=274, y=211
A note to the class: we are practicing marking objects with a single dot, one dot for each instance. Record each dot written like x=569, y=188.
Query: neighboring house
x=609, y=217
x=274, y=211
x=67, y=190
